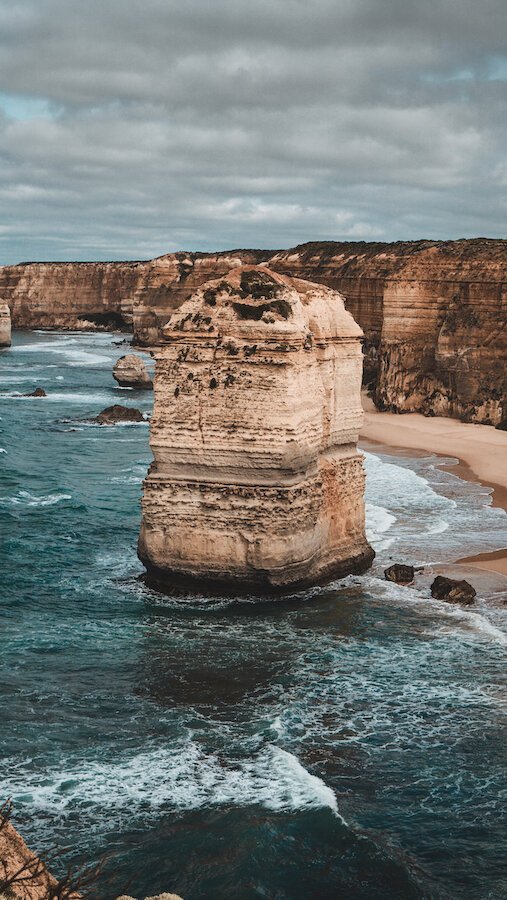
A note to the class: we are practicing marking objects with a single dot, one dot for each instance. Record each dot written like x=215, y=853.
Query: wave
x=25, y=498
x=60, y=397
x=182, y=777
x=378, y=521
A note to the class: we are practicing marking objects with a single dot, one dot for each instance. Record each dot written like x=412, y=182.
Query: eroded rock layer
x=5, y=325
x=256, y=482
x=433, y=312
x=78, y=295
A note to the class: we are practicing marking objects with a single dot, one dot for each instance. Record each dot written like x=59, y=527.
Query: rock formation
x=5, y=325
x=399, y=573
x=433, y=312
x=131, y=371
x=23, y=876
x=77, y=295
x=116, y=413
x=453, y=591
x=256, y=482
x=38, y=392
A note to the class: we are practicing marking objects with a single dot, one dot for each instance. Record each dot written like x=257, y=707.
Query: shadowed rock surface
x=399, y=573
x=116, y=413
x=257, y=483
x=38, y=392
x=131, y=371
x=453, y=591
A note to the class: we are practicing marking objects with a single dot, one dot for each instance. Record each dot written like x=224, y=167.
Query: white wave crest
x=25, y=498
x=183, y=777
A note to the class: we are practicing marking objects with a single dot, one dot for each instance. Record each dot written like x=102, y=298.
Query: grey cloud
x=206, y=125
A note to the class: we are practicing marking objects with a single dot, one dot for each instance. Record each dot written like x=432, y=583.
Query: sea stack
x=5, y=325
x=131, y=371
x=256, y=484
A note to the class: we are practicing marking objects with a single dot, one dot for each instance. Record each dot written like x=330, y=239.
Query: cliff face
x=5, y=325
x=256, y=483
x=433, y=312
x=71, y=295
x=170, y=280
x=434, y=316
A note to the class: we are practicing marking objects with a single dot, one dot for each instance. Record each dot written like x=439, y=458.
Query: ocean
x=348, y=742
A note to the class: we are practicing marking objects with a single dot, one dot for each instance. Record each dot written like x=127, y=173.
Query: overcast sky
x=130, y=128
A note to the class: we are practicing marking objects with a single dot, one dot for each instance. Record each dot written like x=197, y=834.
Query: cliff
x=77, y=295
x=22, y=874
x=433, y=312
x=5, y=325
x=256, y=483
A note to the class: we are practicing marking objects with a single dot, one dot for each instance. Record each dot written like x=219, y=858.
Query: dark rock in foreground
x=113, y=414
x=38, y=392
x=453, y=591
x=399, y=573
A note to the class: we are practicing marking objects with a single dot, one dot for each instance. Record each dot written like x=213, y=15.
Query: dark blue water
x=349, y=743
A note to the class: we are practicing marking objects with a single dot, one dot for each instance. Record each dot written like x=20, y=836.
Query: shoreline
x=480, y=451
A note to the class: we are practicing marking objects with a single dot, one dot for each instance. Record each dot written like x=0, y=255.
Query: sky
x=132, y=128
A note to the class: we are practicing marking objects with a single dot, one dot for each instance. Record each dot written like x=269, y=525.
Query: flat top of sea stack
x=252, y=296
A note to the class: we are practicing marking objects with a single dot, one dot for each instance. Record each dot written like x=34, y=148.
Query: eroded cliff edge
x=434, y=313
x=71, y=295
x=256, y=483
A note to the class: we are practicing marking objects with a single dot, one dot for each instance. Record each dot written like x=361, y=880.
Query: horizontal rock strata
x=256, y=482
x=5, y=325
x=78, y=295
x=433, y=312
x=131, y=371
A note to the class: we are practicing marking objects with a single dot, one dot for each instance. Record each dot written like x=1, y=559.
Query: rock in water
x=5, y=325
x=399, y=573
x=113, y=414
x=453, y=591
x=257, y=484
x=131, y=371
x=38, y=392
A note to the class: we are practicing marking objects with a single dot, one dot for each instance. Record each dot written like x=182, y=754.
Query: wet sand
x=481, y=452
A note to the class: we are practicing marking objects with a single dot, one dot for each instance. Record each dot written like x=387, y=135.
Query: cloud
x=131, y=128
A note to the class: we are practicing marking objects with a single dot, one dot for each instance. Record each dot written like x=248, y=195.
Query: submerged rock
x=116, y=413
x=38, y=392
x=131, y=371
x=5, y=325
x=453, y=591
x=257, y=484
x=399, y=573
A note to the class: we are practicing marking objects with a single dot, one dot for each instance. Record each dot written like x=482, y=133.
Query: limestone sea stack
x=131, y=371
x=256, y=483
x=5, y=325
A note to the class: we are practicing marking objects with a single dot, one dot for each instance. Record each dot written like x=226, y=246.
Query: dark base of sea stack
x=261, y=585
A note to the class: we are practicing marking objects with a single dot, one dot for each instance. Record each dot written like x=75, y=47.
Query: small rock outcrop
x=5, y=325
x=23, y=876
x=257, y=484
x=158, y=897
x=399, y=573
x=131, y=371
x=116, y=413
x=38, y=392
x=453, y=591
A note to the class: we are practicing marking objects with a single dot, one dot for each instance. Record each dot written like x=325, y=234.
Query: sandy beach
x=481, y=452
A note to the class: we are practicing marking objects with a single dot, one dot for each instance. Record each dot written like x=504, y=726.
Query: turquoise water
x=347, y=743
